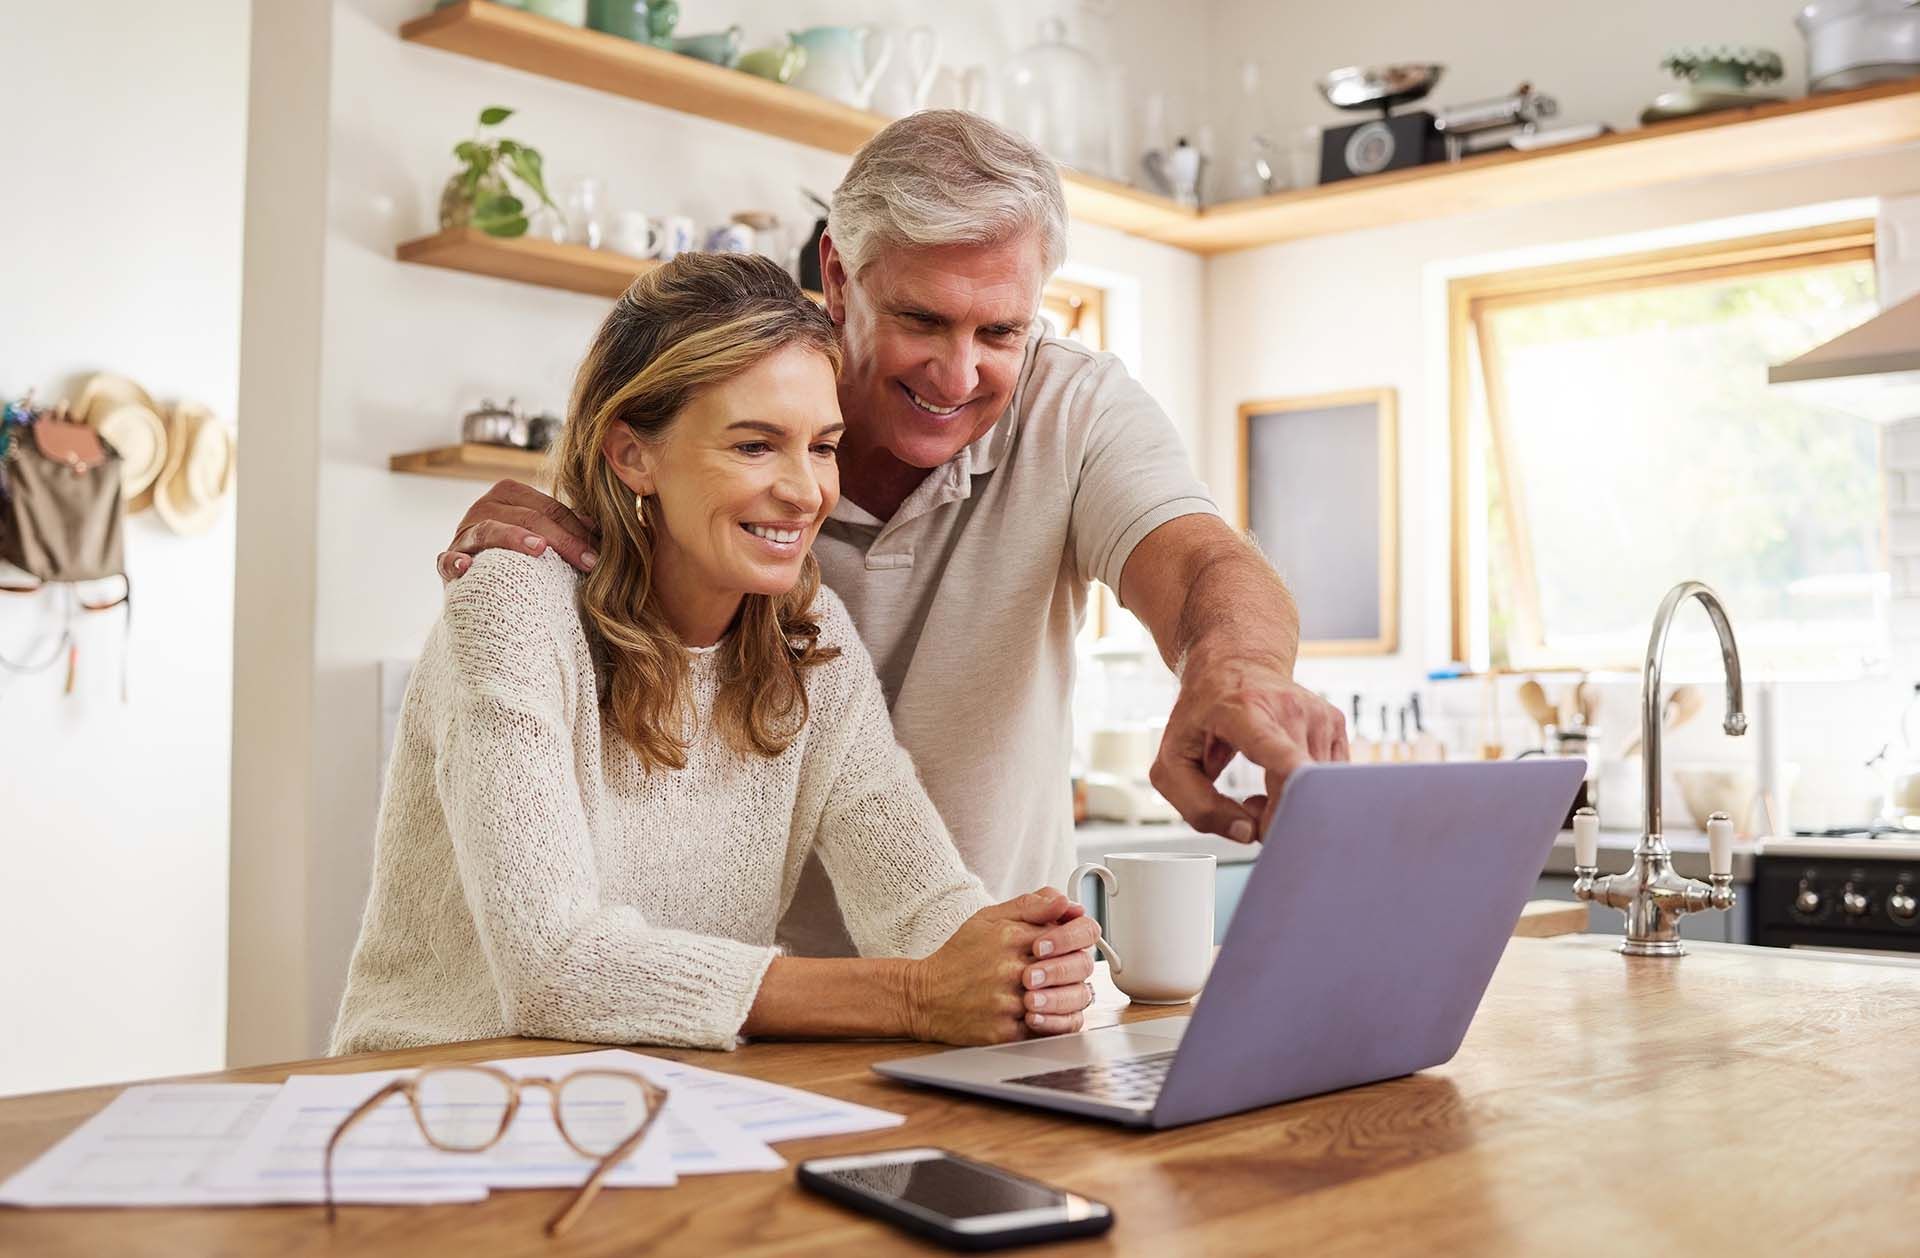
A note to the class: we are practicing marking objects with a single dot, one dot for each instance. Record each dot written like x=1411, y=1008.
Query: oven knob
x=1855, y=904
x=1807, y=902
x=1901, y=906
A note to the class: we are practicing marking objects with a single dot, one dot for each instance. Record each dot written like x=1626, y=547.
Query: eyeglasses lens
x=599, y=1111
x=461, y=1109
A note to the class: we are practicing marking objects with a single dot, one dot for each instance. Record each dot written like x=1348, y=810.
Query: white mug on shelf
x=1159, y=936
x=730, y=238
x=636, y=235
x=676, y=236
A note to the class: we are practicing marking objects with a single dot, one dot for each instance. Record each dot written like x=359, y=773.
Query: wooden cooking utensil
x=1534, y=699
x=1683, y=704
x=1586, y=701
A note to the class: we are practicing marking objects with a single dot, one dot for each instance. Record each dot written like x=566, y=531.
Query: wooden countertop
x=1734, y=1101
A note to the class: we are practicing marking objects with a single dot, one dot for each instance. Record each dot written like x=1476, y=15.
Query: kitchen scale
x=1391, y=141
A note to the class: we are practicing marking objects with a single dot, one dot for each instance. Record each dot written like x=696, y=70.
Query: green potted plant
x=478, y=194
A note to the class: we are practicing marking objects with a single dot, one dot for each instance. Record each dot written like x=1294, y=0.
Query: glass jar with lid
x=1056, y=95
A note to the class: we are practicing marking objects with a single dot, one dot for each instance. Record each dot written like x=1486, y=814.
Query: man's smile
x=922, y=404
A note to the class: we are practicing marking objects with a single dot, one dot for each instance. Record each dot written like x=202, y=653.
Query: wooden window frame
x=1081, y=308
x=1471, y=296
x=1082, y=311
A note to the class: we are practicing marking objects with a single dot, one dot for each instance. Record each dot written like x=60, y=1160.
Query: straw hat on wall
x=199, y=470
x=129, y=421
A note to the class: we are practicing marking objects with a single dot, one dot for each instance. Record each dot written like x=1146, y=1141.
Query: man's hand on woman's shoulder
x=512, y=516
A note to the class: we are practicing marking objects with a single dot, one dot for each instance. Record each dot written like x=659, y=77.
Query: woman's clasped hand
x=1014, y=969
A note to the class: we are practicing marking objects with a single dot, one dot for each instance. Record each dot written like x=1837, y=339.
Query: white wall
x=122, y=236
x=401, y=351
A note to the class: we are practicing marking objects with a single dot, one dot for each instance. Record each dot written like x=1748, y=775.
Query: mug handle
x=1112, y=889
x=923, y=60
x=876, y=54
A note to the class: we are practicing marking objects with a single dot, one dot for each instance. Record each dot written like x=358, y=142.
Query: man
x=988, y=473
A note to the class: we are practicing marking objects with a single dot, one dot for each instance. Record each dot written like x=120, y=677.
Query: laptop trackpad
x=1105, y=1044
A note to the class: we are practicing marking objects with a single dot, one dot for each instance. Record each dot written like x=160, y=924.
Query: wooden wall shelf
x=473, y=461
x=1732, y=142
x=575, y=268
x=539, y=45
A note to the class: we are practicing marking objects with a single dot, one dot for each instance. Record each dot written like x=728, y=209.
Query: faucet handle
x=1586, y=838
x=1720, y=845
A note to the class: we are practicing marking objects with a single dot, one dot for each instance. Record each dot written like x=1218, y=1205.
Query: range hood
x=1872, y=371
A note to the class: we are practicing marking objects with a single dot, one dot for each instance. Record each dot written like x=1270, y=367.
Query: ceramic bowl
x=1729, y=788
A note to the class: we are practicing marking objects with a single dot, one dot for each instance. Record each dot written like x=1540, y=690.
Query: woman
x=603, y=789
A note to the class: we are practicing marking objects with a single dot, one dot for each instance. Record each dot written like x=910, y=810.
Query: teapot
x=844, y=63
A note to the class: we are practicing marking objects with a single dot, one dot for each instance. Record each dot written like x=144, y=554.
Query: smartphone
x=956, y=1201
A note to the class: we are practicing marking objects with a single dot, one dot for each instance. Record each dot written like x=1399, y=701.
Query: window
x=1614, y=433
x=1075, y=310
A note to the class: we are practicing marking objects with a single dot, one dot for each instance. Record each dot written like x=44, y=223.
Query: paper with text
x=157, y=1144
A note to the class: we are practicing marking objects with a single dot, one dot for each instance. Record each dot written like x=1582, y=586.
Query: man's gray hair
x=947, y=177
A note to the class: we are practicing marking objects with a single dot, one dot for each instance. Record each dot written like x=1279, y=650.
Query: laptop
x=1380, y=903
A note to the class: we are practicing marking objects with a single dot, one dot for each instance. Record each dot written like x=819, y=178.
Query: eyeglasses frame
x=583, y=1196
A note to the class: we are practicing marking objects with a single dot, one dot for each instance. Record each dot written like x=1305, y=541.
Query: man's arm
x=1227, y=627
x=512, y=516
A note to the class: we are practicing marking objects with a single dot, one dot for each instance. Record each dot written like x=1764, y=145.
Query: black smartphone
x=957, y=1201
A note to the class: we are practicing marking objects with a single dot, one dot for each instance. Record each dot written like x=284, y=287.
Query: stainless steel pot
x=1851, y=43
x=494, y=425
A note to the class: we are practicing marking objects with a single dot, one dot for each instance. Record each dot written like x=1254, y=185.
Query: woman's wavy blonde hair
x=692, y=323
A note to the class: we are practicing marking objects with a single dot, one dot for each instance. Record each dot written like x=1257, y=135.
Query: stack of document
x=201, y=1144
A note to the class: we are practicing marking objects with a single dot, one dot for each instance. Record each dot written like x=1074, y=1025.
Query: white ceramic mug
x=676, y=235
x=636, y=235
x=1159, y=934
x=730, y=238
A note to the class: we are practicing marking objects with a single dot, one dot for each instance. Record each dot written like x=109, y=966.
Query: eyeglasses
x=602, y=1114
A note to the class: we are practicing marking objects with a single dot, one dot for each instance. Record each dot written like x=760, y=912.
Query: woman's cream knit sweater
x=530, y=878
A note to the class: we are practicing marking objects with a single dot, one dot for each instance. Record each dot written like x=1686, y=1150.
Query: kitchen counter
x=1734, y=1101
x=1096, y=839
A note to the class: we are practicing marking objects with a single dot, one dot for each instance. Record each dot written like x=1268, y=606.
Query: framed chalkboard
x=1319, y=493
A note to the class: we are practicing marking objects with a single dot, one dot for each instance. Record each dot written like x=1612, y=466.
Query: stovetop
x=1877, y=840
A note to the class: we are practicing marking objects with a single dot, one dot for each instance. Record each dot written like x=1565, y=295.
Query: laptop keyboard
x=1130, y=1081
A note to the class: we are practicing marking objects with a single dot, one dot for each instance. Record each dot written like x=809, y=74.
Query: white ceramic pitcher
x=844, y=63
x=907, y=84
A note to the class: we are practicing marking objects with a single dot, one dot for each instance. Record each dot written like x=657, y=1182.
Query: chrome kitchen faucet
x=1650, y=893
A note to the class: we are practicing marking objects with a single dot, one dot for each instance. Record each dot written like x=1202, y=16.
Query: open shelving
x=608, y=63
x=575, y=268
x=1731, y=142
x=471, y=460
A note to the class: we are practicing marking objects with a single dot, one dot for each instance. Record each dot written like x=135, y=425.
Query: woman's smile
x=780, y=540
